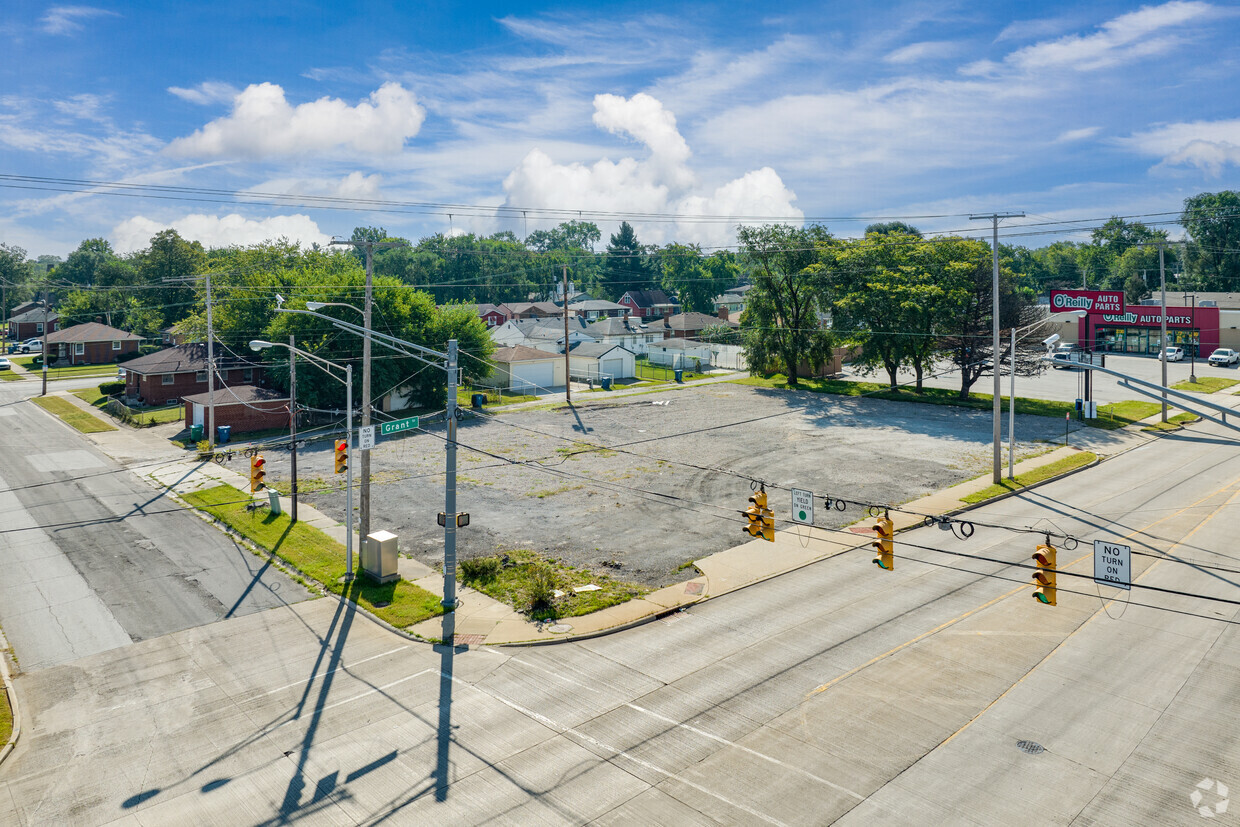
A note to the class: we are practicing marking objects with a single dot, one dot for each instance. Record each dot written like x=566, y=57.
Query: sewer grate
x=468, y=640
x=1030, y=747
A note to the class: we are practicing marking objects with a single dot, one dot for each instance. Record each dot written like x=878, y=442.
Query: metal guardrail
x=1156, y=391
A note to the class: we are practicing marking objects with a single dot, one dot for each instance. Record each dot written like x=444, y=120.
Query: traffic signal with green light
x=884, y=547
x=342, y=455
x=1044, y=577
x=258, y=473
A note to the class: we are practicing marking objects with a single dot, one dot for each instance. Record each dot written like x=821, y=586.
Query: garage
x=527, y=370
x=533, y=374
x=596, y=360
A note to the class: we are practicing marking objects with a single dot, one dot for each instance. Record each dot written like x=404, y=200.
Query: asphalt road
x=938, y=692
x=94, y=558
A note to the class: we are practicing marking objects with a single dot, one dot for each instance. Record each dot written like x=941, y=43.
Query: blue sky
x=688, y=114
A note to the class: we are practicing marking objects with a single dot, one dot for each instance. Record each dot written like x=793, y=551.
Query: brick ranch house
x=244, y=408
x=29, y=324
x=90, y=343
x=176, y=372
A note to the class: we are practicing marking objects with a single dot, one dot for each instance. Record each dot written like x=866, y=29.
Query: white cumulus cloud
x=219, y=231
x=1208, y=145
x=67, y=19
x=661, y=182
x=263, y=124
x=209, y=91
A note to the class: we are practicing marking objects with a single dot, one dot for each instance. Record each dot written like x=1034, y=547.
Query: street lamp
x=326, y=366
x=449, y=364
x=1050, y=340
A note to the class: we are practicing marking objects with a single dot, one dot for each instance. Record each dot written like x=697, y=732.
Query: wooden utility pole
x=568, y=373
x=292, y=415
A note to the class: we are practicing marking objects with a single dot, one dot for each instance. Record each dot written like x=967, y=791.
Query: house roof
x=25, y=307
x=547, y=328
x=649, y=298
x=596, y=304
x=516, y=308
x=181, y=359
x=37, y=314
x=236, y=395
x=91, y=332
x=695, y=321
x=595, y=350
x=521, y=353
x=617, y=326
x=740, y=289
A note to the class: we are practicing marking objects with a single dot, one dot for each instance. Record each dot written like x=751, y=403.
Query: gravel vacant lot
x=581, y=508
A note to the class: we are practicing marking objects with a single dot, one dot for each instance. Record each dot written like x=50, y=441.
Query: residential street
x=837, y=692
x=94, y=558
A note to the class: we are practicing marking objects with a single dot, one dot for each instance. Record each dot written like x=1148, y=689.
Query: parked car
x=1224, y=356
x=31, y=346
x=1175, y=354
x=5, y=364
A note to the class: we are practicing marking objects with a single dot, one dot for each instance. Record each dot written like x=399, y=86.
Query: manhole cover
x=1030, y=747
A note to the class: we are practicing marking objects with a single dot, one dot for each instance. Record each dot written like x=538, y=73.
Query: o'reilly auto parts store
x=1198, y=324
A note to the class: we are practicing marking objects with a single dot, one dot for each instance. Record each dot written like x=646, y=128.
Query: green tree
x=696, y=280
x=898, y=228
x=624, y=266
x=17, y=276
x=790, y=290
x=1212, y=220
x=79, y=268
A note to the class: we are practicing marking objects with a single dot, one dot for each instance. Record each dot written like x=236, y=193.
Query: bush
x=111, y=388
x=479, y=569
x=540, y=593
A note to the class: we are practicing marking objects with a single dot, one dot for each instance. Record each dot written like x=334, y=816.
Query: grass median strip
x=1173, y=423
x=67, y=372
x=1206, y=384
x=319, y=557
x=11, y=376
x=72, y=415
x=1110, y=417
x=6, y=716
x=1044, y=472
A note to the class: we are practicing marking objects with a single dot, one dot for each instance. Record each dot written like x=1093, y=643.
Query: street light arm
x=384, y=339
x=313, y=358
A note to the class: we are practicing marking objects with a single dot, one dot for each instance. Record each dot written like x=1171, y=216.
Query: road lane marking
x=337, y=669
x=753, y=752
x=376, y=689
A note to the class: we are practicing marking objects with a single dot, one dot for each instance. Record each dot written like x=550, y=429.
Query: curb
x=12, y=696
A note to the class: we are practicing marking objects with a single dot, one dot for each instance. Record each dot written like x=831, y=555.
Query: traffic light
x=342, y=455
x=884, y=531
x=761, y=520
x=1044, y=577
x=258, y=473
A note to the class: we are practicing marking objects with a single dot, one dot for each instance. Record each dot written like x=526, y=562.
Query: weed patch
x=529, y=583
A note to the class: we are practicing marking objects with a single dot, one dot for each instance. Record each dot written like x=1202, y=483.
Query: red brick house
x=244, y=408
x=27, y=325
x=90, y=344
x=176, y=372
x=490, y=314
x=646, y=303
x=531, y=310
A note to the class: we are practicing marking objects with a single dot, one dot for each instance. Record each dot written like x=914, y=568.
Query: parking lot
x=665, y=496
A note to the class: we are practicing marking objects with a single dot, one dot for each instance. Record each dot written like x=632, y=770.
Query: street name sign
x=388, y=428
x=1112, y=564
x=802, y=506
x=366, y=438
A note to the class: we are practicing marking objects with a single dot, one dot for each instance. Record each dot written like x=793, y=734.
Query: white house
x=687, y=354
x=629, y=332
x=594, y=309
x=541, y=334
x=527, y=369
x=595, y=360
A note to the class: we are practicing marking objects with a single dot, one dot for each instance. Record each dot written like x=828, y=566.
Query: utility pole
x=1162, y=277
x=364, y=497
x=210, y=370
x=292, y=415
x=46, y=322
x=997, y=411
x=449, y=494
x=568, y=373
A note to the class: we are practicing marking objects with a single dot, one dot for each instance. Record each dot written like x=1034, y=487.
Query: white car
x=1224, y=356
x=5, y=364
x=1175, y=354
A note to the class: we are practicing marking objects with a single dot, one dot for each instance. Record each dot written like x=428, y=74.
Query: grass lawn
x=1109, y=416
x=1173, y=423
x=1206, y=384
x=1045, y=472
x=316, y=555
x=66, y=372
x=144, y=417
x=6, y=717
x=645, y=370
x=72, y=414
x=528, y=583
x=11, y=376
